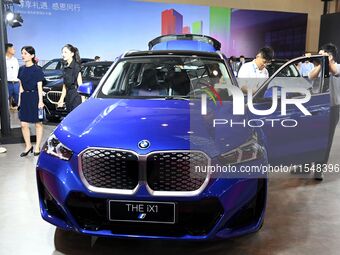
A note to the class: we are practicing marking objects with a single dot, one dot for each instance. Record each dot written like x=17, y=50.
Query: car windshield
x=54, y=64
x=163, y=77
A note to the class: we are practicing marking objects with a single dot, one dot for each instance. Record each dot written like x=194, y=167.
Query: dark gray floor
x=303, y=217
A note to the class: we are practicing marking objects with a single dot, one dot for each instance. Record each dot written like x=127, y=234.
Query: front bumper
x=226, y=208
x=50, y=103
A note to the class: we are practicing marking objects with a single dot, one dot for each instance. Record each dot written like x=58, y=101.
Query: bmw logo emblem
x=144, y=144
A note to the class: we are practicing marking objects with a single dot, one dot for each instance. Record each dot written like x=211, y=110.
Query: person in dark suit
x=31, y=100
x=72, y=78
x=240, y=63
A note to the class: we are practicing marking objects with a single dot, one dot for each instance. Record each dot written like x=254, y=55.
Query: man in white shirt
x=252, y=74
x=12, y=65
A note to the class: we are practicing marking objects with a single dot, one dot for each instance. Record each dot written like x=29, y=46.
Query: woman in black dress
x=72, y=78
x=30, y=99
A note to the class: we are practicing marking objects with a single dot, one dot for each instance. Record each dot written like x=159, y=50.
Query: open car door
x=296, y=137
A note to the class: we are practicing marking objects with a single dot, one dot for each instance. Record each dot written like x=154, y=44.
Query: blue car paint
x=304, y=143
x=83, y=128
x=86, y=88
x=147, y=118
x=122, y=123
x=233, y=194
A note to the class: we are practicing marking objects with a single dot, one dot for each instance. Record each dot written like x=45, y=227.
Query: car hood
x=166, y=124
x=49, y=73
x=57, y=84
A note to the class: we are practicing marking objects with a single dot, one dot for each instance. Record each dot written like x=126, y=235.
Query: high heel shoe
x=37, y=153
x=24, y=154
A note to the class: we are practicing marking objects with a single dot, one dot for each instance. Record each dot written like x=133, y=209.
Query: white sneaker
x=3, y=150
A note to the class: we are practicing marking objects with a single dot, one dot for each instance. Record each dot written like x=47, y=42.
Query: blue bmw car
x=134, y=159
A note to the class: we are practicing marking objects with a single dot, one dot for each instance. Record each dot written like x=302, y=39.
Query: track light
x=9, y=16
x=18, y=18
x=14, y=19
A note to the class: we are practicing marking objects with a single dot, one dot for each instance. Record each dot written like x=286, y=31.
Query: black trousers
x=72, y=99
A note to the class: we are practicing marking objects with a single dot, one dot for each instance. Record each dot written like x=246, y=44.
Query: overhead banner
x=109, y=28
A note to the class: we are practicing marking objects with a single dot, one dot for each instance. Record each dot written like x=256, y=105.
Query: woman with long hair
x=30, y=99
x=72, y=78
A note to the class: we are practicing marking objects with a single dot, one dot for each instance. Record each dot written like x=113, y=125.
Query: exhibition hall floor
x=302, y=217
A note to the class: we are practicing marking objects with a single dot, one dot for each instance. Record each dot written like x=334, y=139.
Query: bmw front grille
x=121, y=172
x=105, y=170
x=53, y=96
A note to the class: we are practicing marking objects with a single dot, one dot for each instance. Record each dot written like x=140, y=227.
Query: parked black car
x=53, y=69
x=91, y=72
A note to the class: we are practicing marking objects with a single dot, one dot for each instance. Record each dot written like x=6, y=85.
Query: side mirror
x=86, y=89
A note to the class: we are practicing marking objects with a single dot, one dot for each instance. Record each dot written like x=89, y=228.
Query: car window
x=55, y=64
x=164, y=77
x=95, y=72
x=292, y=71
x=52, y=65
x=254, y=84
x=289, y=77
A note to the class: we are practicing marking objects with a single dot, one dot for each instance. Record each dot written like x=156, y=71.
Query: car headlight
x=55, y=148
x=248, y=151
